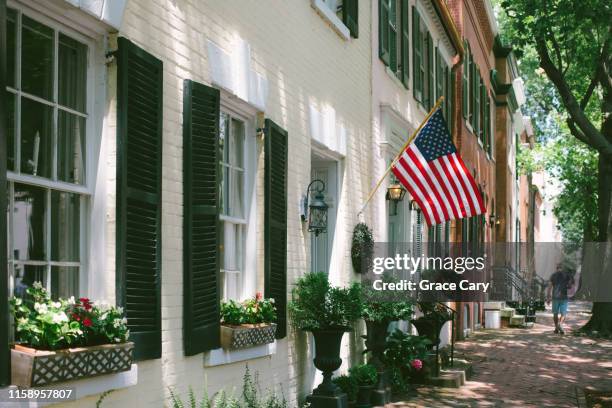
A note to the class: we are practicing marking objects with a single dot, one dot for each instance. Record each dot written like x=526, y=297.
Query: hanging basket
x=247, y=335
x=31, y=367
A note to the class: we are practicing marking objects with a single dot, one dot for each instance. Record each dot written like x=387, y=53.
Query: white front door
x=321, y=245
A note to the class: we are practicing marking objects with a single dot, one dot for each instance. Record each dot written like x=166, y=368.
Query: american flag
x=436, y=177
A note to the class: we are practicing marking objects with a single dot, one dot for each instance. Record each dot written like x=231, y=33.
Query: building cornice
x=449, y=26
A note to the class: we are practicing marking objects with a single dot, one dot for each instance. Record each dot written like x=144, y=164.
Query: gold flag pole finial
x=410, y=139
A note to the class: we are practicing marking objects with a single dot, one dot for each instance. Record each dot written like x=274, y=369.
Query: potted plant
x=365, y=376
x=362, y=248
x=405, y=355
x=327, y=312
x=431, y=322
x=66, y=339
x=349, y=386
x=249, y=323
x=379, y=309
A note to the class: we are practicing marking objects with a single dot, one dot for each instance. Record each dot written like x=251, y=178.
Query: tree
x=571, y=42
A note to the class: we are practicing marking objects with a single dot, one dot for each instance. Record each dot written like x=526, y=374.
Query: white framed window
x=237, y=202
x=49, y=191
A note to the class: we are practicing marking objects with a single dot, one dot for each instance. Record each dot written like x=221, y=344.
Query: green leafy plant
x=402, y=350
x=364, y=374
x=251, y=311
x=348, y=385
x=316, y=304
x=379, y=306
x=45, y=324
x=362, y=247
x=177, y=403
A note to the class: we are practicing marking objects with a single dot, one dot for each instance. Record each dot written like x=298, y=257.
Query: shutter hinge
x=111, y=56
x=261, y=126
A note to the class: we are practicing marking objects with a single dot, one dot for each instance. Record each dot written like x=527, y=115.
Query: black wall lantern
x=395, y=192
x=315, y=210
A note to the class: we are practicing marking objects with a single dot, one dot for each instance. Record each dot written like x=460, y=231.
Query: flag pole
x=410, y=139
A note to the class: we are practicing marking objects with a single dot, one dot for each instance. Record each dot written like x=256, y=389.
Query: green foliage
x=103, y=397
x=435, y=311
x=348, y=385
x=316, y=304
x=250, y=397
x=380, y=306
x=251, y=311
x=400, y=352
x=45, y=324
x=362, y=247
x=364, y=374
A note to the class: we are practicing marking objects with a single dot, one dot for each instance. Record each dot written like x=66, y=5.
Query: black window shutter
x=201, y=229
x=393, y=36
x=275, y=286
x=417, y=45
x=430, y=72
x=139, y=164
x=383, y=31
x=350, y=16
x=5, y=357
x=405, y=43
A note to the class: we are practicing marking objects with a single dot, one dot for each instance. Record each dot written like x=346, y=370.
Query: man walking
x=560, y=282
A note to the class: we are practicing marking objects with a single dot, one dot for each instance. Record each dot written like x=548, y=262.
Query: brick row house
x=159, y=153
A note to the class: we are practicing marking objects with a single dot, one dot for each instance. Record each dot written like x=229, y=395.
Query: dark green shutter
x=393, y=37
x=383, y=30
x=405, y=43
x=487, y=128
x=275, y=214
x=417, y=45
x=472, y=87
x=5, y=360
x=440, y=79
x=464, y=80
x=451, y=99
x=139, y=195
x=477, y=91
x=201, y=228
x=350, y=16
x=430, y=72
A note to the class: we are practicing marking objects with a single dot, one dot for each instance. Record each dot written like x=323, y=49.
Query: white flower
x=117, y=340
x=127, y=334
x=17, y=301
x=71, y=300
x=56, y=305
x=124, y=321
x=41, y=308
x=60, y=318
x=104, y=316
x=271, y=300
x=116, y=323
x=119, y=310
x=37, y=285
x=23, y=320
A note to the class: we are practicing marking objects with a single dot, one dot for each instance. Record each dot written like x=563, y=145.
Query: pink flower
x=416, y=364
x=258, y=296
x=87, y=322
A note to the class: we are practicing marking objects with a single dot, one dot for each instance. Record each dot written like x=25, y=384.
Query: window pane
x=37, y=58
x=10, y=142
x=26, y=275
x=224, y=201
x=28, y=227
x=36, y=138
x=64, y=282
x=236, y=184
x=71, y=148
x=10, y=46
x=65, y=226
x=237, y=144
x=223, y=136
x=72, y=62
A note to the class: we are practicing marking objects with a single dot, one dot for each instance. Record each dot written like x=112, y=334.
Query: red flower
x=258, y=296
x=87, y=322
x=76, y=317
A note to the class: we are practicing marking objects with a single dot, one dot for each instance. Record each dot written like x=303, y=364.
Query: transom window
x=47, y=119
x=232, y=196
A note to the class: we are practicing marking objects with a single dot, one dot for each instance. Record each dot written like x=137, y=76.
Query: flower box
x=247, y=335
x=31, y=367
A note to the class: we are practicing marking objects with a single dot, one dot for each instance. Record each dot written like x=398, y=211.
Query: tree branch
x=596, y=138
x=577, y=133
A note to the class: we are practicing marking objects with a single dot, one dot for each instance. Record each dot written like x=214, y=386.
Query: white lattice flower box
x=247, y=335
x=31, y=367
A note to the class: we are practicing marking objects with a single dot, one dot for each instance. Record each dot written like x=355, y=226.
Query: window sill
x=394, y=77
x=221, y=356
x=332, y=19
x=85, y=387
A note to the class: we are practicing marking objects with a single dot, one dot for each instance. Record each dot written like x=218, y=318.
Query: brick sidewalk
x=525, y=368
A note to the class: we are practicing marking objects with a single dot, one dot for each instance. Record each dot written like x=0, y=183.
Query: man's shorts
x=559, y=306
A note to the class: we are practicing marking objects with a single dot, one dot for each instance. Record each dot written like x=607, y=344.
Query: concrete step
x=517, y=321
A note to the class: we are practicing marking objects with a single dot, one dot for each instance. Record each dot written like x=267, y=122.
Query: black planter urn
x=327, y=359
x=364, y=396
x=376, y=339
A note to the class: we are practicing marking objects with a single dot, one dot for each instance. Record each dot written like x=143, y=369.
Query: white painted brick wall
x=305, y=62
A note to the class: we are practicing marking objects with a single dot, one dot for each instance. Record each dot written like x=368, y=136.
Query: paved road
x=526, y=368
